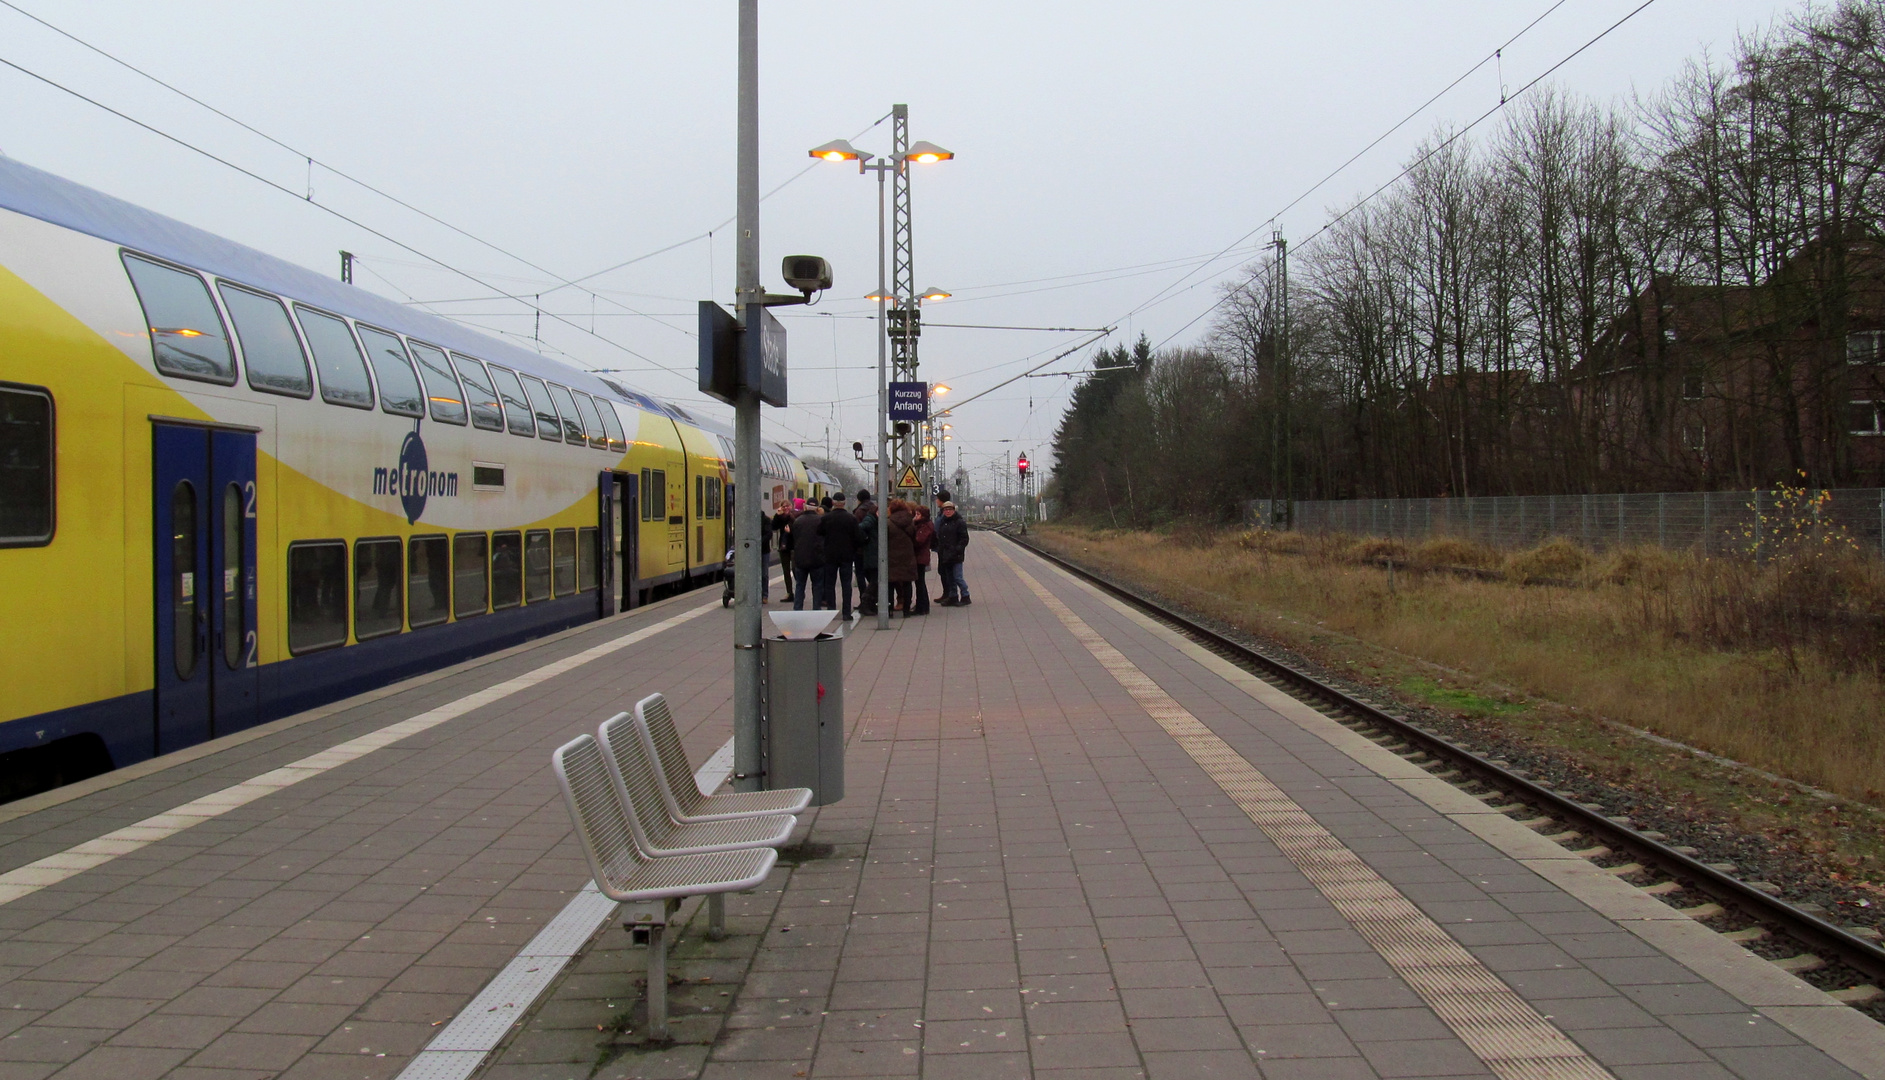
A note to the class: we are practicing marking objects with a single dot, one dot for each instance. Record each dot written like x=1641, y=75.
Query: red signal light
x=1022, y=464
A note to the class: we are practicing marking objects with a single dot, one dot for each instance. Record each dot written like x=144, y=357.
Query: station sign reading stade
x=735, y=358
x=412, y=480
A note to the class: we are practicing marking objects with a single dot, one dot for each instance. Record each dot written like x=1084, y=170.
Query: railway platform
x=1074, y=844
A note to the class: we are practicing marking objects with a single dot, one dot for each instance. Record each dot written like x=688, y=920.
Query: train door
x=204, y=513
x=700, y=519
x=675, y=500
x=627, y=539
x=605, y=542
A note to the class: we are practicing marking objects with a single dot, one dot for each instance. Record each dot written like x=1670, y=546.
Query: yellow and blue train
x=232, y=489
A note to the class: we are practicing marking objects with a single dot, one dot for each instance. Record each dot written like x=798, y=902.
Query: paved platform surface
x=1072, y=846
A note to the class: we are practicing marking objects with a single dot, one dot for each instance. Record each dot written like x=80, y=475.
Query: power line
x=681, y=243
x=311, y=160
x=396, y=200
x=1504, y=100
x=1155, y=297
x=356, y=223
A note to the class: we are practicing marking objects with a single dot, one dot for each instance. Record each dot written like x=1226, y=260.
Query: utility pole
x=904, y=326
x=748, y=295
x=1285, y=377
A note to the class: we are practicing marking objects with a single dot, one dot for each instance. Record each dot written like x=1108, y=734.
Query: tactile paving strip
x=1514, y=1040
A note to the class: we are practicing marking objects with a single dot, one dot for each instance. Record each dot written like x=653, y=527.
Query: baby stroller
x=726, y=570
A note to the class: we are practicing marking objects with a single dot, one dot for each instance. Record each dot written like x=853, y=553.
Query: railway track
x=1840, y=960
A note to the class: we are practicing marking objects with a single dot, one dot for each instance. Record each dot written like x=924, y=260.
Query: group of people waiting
x=826, y=544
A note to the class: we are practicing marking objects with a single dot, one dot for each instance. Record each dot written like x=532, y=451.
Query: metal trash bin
x=803, y=729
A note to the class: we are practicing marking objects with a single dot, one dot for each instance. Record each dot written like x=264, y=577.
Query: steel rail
x=1826, y=939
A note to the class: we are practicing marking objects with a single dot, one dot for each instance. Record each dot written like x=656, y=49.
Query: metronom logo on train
x=412, y=480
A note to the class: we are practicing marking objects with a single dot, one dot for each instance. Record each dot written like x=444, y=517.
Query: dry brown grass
x=1556, y=559
x=1777, y=665
x=1452, y=551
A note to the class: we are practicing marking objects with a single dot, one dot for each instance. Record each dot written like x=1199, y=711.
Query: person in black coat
x=839, y=532
x=866, y=515
x=765, y=557
x=782, y=528
x=952, y=546
x=808, y=556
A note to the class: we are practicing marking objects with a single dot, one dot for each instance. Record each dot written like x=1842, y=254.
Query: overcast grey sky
x=1092, y=137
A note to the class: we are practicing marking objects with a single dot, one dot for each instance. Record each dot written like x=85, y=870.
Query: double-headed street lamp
x=924, y=153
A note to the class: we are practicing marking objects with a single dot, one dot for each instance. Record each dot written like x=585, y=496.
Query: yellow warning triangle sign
x=908, y=479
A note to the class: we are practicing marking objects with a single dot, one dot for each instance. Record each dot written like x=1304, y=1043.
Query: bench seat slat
x=607, y=834
x=685, y=801
x=656, y=833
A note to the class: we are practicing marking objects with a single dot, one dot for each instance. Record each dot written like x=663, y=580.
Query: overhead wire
x=1505, y=99
x=1339, y=169
x=355, y=222
x=1236, y=245
x=307, y=196
x=309, y=158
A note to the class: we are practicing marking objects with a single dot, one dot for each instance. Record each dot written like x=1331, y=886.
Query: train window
x=516, y=409
x=187, y=336
x=549, y=425
x=470, y=588
x=235, y=632
x=654, y=494
x=486, y=476
x=379, y=602
x=317, y=595
x=26, y=466
x=183, y=595
x=337, y=357
x=537, y=565
x=572, y=426
x=441, y=386
x=428, y=581
x=507, y=570
x=399, y=387
x=270, y=350
x=587, y=558
x=486, y=413
x=565, y=562
x=586, y=408
x=612, y=425
x=700, y=496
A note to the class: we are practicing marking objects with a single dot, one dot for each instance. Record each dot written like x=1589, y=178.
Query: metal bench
x=659, y=835
x=651, y=887
x=685, y=802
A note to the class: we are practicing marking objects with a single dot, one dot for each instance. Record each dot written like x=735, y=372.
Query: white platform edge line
x=459, y=1050
x=52, y=869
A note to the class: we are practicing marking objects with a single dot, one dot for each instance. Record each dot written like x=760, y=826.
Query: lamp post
x=897, y=163
x=748, y=563
x=932, y=445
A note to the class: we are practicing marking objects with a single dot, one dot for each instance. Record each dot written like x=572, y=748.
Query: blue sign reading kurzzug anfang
x=909, y=401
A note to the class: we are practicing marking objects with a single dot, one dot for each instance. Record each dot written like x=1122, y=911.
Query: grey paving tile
x=1795, y=1062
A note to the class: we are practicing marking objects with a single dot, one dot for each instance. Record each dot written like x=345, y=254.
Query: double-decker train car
x=232, y=488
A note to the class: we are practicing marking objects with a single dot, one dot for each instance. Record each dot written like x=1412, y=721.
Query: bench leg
x=716, y=916
x=657, y=983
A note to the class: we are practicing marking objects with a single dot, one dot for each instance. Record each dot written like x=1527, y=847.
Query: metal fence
x=1716, y=522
